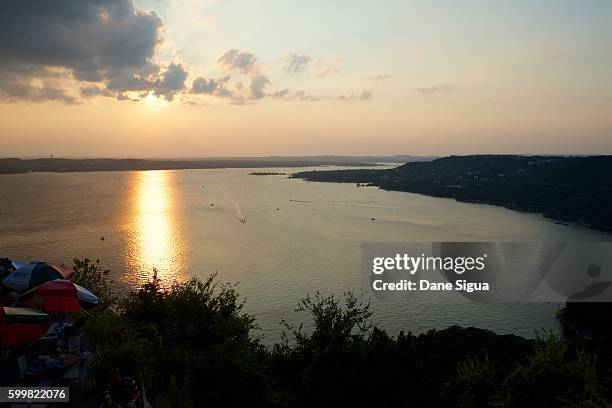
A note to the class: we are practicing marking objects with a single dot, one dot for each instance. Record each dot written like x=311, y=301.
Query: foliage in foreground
x=90, y=275
x=192, y=345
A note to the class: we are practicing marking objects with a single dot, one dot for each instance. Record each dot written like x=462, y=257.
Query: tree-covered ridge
x=570, y=189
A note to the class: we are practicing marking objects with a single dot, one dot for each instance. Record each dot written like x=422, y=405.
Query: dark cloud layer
x=172, y=81
x=70, y=50
x=15, y=84
x=103, y=41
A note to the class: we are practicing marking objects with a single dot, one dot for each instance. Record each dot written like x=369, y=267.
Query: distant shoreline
x=574, y=190
x=62, y=165
x=18, y=166
x=266, y=173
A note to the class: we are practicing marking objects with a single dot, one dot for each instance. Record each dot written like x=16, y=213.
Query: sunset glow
x=151, y=78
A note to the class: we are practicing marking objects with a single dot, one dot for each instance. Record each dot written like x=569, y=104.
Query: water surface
x=278, y=238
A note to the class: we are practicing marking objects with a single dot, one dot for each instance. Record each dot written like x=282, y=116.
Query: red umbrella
x=21, y=325
x=53, y=296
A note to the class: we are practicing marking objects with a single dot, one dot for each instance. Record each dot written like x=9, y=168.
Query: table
x=53, y=366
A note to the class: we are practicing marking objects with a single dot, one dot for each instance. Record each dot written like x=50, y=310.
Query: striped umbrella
x=36, y=273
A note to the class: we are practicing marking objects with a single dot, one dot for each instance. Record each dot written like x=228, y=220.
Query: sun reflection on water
x=155, y=240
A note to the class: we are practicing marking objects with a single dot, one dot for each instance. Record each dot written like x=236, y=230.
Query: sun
x=155, y=102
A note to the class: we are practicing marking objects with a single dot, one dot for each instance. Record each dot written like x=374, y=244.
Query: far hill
x=570, y=189
x=14, y=165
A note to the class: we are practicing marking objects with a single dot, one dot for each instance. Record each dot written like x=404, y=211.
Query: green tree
x=476, y=382
x=554, y=376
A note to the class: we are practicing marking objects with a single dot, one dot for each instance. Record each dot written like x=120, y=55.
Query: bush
x=192, y=345
x=195, y=335
x=476, y=382
x=554, y=376
x=91, y=276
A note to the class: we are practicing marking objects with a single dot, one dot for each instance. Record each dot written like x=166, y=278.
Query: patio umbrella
x=85, y=295
x=21, y=325
x=18, y=264
x=53, y=296
x=36, y=273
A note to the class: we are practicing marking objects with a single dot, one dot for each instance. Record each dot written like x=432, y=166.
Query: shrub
x=476, y=382
x=554, y=376
x=91, y=276
x=192, y=345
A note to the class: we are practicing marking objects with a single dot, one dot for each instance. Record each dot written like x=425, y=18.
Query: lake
x=278, y=238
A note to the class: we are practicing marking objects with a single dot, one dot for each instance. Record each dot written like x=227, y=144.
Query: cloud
x=89, y=91
x=289, y=95
x=301, y=95
x=434, y=89
x=172, y=81
x=210, y=86
x=327, y=68
x=296, y=63
x=71, y=50
x=240, y=95
x=110, y=42
x=241, y=102
x=237, y=61
x=126, y=97
x=257, y=86
x=364, y=95
x=325, y=72
x=26, y=85
x=281, y=93
x=379, y=77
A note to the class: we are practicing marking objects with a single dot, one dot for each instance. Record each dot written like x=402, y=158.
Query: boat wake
x=239, y=215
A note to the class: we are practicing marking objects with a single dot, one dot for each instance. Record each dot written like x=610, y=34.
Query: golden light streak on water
x=156, y=241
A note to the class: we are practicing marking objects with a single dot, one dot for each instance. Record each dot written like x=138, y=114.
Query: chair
x=143, y=402
x=80, y=372
x=54, y=331
x=23, y=368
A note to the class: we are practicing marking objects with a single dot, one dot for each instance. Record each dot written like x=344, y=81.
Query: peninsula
x=572, y=189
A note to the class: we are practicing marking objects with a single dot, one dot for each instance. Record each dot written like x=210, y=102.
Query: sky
x=199, y=78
